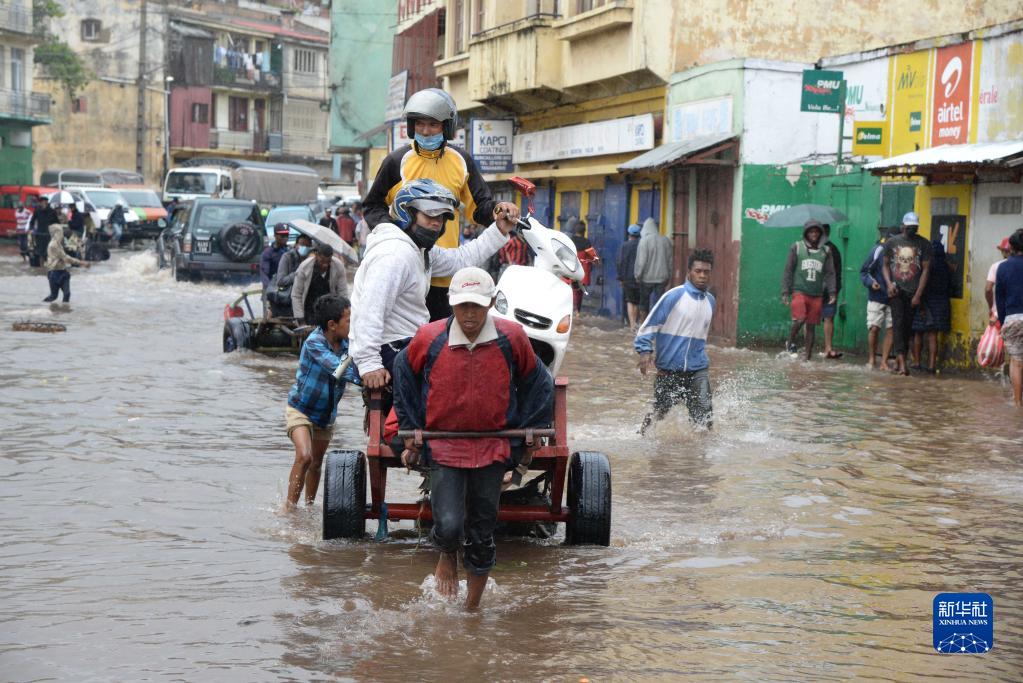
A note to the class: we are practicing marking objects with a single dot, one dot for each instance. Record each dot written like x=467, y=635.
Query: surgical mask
x=430, y=142
x=424, y=237
x=303, y=251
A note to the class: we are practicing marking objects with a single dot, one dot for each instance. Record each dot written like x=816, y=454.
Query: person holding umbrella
x=809, y=273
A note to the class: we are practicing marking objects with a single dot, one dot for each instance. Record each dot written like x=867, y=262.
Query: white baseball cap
x=472, y=286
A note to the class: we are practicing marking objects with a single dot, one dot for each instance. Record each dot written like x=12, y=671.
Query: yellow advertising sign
x=869, y=139
x=908, y=95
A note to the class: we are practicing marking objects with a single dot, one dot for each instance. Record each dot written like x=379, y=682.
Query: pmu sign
x=822, y=92
x=492, y=142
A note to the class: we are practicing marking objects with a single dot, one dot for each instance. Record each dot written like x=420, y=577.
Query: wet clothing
x=626, y=264
x=678, y=326
x=906, y=258
x=309, y=285
x=269, y=262
x=450, y=166
x=443, y=382
x=903, y=312
x=1009, y=288
x=935, y=311
x=807, y=309
x=57, y=264
x=60, y=282
x=872, y=272
x=316, y=392
x=653, y=255
x=464, y=503
x=808, y=270
x=693, y=388
x=389, y=297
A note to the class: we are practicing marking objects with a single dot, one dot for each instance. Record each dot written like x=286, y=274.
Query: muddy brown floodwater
x=142, y=471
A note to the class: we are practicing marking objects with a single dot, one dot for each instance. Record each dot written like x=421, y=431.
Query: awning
x=1006, y=154
x=678, y=152
x=190, y=31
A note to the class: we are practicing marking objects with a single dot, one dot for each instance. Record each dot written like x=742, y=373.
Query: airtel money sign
x=950, y=123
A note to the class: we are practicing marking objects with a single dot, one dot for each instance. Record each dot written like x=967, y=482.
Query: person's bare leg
x=932, y=350
x=303, y=458
x=793, y=334
x=915, y=348
x=1016, y=374
x=886, y=349
x=872, y=333
x=808, y=337
x=312, y=475
x=446, y=575
x=476, y=585
x=631, y=309
x=829, y=334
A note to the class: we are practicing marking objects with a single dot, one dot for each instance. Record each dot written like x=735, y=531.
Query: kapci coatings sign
x=822, y=92
x=491, y=144
x=952, y=94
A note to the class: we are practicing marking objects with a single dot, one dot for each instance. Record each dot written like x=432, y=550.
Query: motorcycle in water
x=538, y=297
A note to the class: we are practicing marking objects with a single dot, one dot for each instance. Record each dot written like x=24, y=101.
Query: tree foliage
x=59, y=60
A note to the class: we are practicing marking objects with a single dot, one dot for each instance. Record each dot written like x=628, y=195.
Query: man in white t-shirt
x=989, y=288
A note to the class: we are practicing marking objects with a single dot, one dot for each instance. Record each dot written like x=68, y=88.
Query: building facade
x=21, y=109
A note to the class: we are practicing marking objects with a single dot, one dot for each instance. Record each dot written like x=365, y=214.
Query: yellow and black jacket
x=450, y=166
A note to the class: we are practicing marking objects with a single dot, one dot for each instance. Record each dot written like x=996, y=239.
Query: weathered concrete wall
x=804, y=30
x=104, y=135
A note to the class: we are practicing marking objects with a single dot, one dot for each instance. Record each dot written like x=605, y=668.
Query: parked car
x=213, y=238
x=285, y=214
x=10, y=196
x=145, y=203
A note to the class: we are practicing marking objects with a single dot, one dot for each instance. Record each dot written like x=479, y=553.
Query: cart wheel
x=589, y=500
x=344, y=495
x=236, y=335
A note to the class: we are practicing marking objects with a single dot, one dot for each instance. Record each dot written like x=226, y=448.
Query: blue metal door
x=614, y=219
x=595, y=231
x=650, y=205
x=543, y=202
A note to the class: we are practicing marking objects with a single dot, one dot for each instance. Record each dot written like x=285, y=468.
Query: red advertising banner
x=950, y=123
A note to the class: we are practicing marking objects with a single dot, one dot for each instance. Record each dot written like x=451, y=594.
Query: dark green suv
x=213, y=238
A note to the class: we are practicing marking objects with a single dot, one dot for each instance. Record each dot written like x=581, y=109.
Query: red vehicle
x=10, y=196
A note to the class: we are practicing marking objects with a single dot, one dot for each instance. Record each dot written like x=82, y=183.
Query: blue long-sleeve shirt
x=1009, y=287
x=678, y=326
x=872, y=271
x=268, y=263
x=315, y=392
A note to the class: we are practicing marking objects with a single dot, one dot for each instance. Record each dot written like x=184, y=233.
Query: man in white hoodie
x=389, y=297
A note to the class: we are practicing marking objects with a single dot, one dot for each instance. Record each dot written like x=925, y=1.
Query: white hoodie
x=389, y=297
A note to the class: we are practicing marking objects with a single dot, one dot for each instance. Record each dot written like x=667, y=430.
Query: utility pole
x=140, y=108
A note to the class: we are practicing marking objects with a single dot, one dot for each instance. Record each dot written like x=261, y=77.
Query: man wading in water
x=469, y=373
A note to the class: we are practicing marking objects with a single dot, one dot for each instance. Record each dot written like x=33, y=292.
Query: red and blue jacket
x=498, y=384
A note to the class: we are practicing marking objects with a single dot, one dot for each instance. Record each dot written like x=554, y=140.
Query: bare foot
x=446, y=575
x=476, y=586
x=288, y=507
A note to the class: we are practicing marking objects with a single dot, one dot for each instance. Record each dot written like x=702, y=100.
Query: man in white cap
x=469, y=373
x=907, y=266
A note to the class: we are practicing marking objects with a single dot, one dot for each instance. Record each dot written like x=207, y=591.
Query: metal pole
x=841, y=123
x=140, y=107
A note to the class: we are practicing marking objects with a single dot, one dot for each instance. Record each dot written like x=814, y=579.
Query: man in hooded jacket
x=653, y=265
x=58, y=264
x=808, y=277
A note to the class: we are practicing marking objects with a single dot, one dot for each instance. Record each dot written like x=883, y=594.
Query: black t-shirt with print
x=906, y=259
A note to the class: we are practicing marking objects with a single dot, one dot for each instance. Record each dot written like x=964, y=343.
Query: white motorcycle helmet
x=432, y=103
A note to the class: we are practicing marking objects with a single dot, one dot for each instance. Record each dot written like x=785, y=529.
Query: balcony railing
x=234, y=140
x=250, y=78
x=16, y=16
x=25, y=105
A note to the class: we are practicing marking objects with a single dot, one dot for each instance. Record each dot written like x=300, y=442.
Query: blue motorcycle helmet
x=424, y=195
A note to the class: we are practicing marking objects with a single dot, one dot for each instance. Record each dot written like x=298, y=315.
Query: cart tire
x=589, y=500
x=236, y=335
x=344, y=495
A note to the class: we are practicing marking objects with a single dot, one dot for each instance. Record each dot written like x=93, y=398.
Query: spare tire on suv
x=241, y=242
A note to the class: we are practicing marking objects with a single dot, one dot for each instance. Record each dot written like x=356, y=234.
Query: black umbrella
x=797, y=215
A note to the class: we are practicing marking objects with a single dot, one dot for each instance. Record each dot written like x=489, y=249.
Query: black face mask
x=909, y=230
x=423, y=237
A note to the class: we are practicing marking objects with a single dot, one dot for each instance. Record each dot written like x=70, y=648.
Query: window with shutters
x=305, y=61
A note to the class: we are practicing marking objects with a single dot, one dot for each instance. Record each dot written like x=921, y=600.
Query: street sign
x=822, y=92
x=491, y=144
x=396, y=90
x=868, y=138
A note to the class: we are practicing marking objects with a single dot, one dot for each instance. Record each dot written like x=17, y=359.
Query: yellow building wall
x=957, y=342
x=108, y=123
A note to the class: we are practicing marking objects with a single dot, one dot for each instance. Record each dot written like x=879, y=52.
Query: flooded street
x=804, y=539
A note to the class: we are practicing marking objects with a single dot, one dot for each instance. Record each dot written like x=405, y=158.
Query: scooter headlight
x=501, y=303
x=567, y=257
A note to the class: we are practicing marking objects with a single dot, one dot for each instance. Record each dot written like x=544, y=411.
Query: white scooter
x=537, y=297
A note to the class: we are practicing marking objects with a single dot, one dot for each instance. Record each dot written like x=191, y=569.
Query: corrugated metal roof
x=977, y=153
x=673, y=152
x=190, y=31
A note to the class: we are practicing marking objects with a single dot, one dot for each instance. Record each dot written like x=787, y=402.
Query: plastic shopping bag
x=991, y=349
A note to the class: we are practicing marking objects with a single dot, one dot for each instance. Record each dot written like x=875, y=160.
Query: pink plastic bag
x=991, y=349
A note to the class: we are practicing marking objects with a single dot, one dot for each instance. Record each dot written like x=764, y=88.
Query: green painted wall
x=361, y=38
x=15, y=162
x=763, y=319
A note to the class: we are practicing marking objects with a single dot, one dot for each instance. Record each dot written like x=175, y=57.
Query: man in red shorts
x=809, y=273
